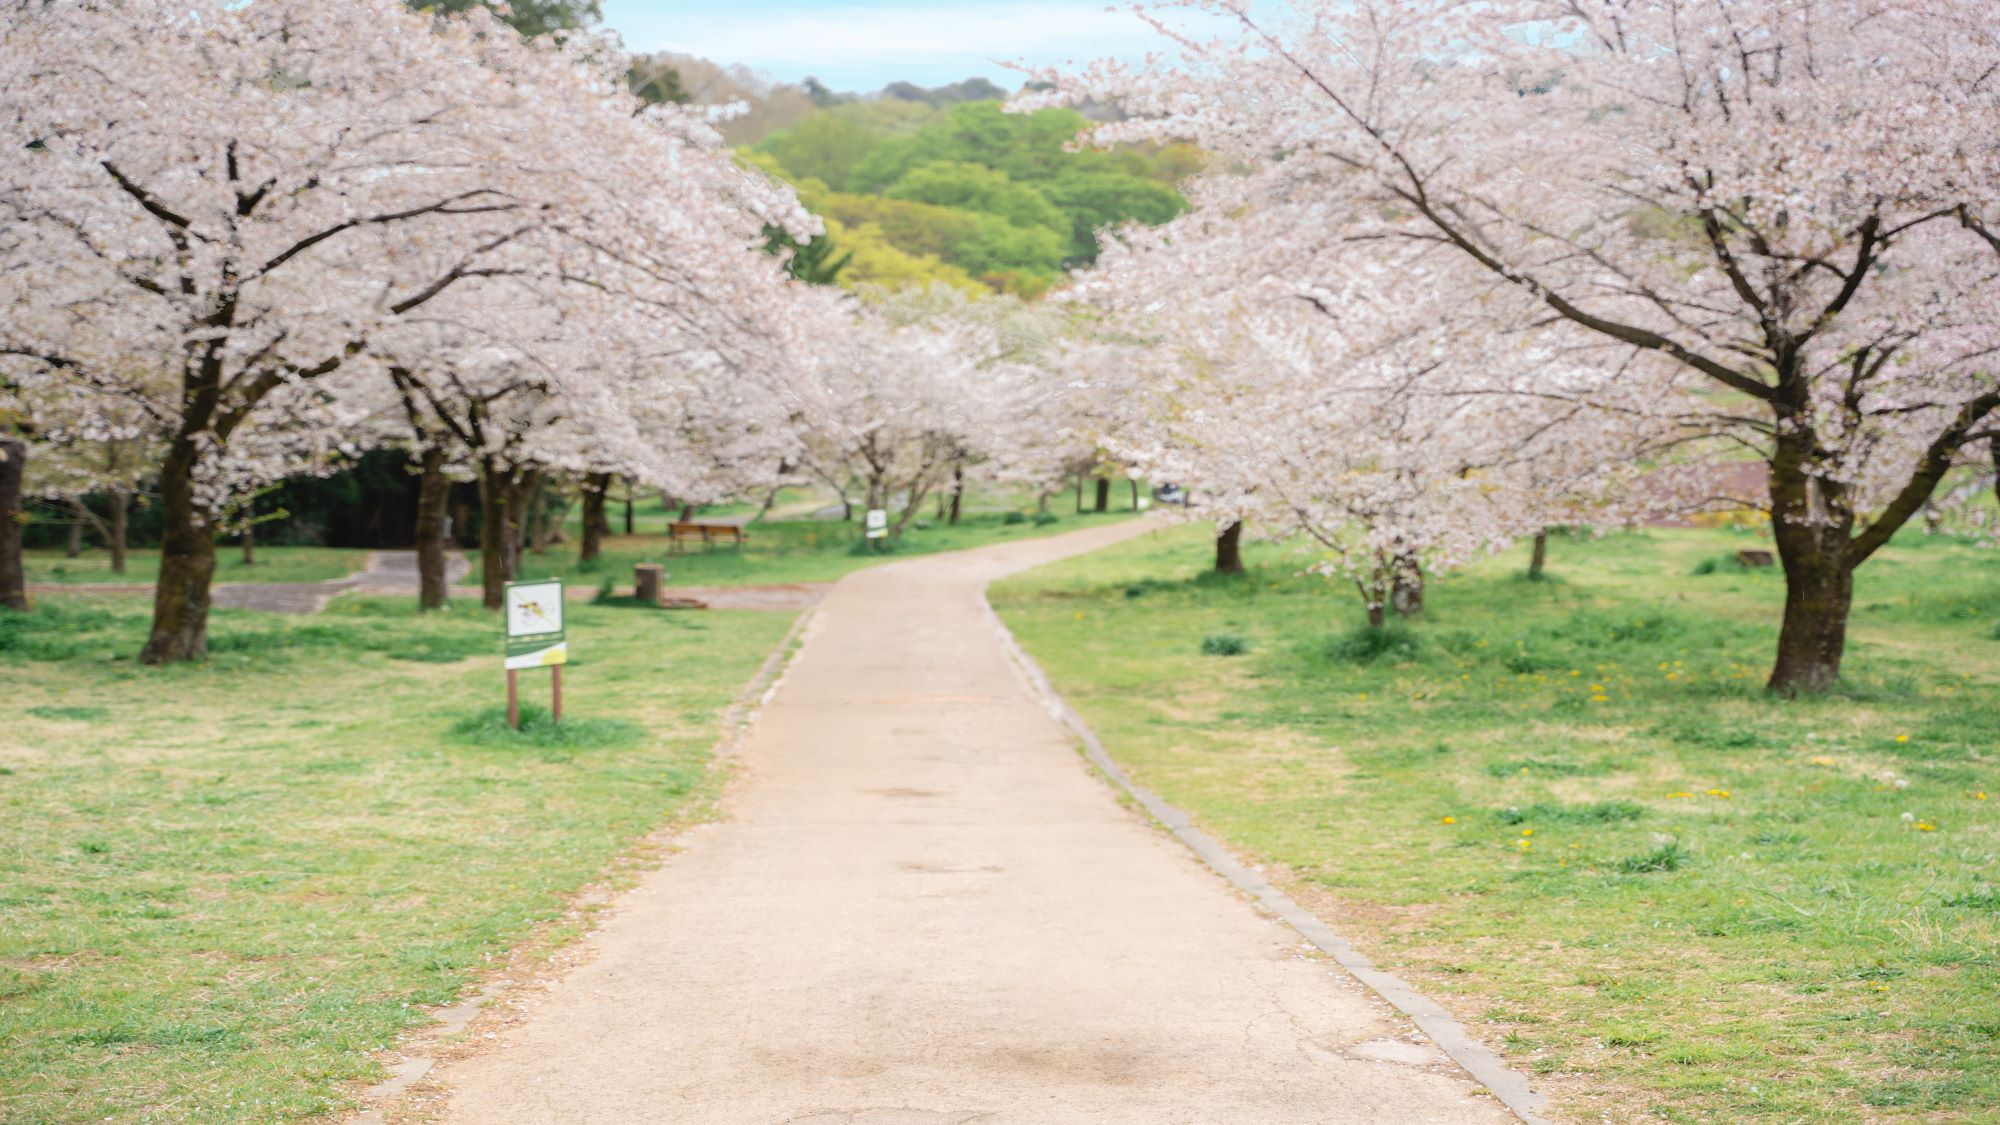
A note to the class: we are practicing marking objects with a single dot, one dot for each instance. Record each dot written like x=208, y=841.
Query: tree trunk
x=549, y=521
x=1079, y=494
x=13, y=572
x=121, y=504
x=1813, y=527
x=433, y=491
x=1378, y=617
x=1229, y=549
x=594, y=525
x=1135, y=492
x=1993, y=446
x=1814, y=635
x=687, y=512
x=1407, y=595
x=628, y=509
x=74, y=546
x=187, y=565
x=493, y=573
x=521, y=492
x=1541, y=556
x=249, y=541
x=1103, y=494
x=958, y=493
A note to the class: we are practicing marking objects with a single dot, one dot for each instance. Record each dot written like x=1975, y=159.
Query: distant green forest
x=967, y=195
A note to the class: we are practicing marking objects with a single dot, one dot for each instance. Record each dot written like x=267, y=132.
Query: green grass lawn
x=786, y=551
x=142, y=565
x=223, y=887
x=1569, y=811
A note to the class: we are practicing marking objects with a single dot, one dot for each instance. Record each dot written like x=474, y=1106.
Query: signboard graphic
x=878, y=523
x=535, y=637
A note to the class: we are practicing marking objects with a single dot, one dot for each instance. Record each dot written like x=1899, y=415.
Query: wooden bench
x=709, y=534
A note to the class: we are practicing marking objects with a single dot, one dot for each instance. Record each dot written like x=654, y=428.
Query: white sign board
x=535, y=637
x=877, y=523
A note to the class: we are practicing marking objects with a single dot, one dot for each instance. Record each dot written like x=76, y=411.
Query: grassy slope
x=1574, y=816
x=222, y=887
x=274, y=564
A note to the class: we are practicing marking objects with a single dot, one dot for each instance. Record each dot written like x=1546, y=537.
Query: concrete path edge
x=1489, y=1069
x=737, y=719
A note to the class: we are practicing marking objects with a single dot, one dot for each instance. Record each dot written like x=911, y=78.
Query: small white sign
x=535, y=636
x=877, y=523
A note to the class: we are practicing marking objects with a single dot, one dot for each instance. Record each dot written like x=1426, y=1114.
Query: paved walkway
x=922, y=908
x=388, y=572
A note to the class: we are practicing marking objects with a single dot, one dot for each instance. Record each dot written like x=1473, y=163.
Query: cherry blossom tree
x=222, y=205
x=1777, y=204
x=913, y=387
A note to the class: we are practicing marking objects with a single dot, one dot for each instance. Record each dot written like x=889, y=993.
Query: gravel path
x=922, y=908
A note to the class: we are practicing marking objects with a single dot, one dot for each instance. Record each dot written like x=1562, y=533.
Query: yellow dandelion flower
x=1926, y=826
x=1527, y=832
x=1451, y=820
x=1822, y=760
x=1718, y=792
x=1678, y=796
x=1902, y=738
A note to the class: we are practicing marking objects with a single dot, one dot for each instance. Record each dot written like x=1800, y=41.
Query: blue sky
x=864, y=44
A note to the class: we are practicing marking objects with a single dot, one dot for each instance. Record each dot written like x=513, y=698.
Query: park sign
x=878, y=523
x=535, y=637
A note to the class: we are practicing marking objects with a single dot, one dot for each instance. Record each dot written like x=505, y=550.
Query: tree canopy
x=995, y=196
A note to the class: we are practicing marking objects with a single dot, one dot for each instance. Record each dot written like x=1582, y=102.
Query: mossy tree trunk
x=121, y=508
x=187, y=563
x=1540, y=558
x=594, y=524
x=1229, y=549
x=433, y=494
x=13, y=571
x=495, y=487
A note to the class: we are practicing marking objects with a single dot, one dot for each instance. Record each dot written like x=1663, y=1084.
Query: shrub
x=606, y=591
x=1014, y=518
x=1224, y=644
x=1044, y=519
x=1369, y=644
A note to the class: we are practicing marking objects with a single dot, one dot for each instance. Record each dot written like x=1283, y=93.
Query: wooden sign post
x=535, y=639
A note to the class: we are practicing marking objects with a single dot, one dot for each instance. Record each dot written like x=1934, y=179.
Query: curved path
x=922, y=908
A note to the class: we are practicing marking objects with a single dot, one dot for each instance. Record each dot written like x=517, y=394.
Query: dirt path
x=922, y=908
